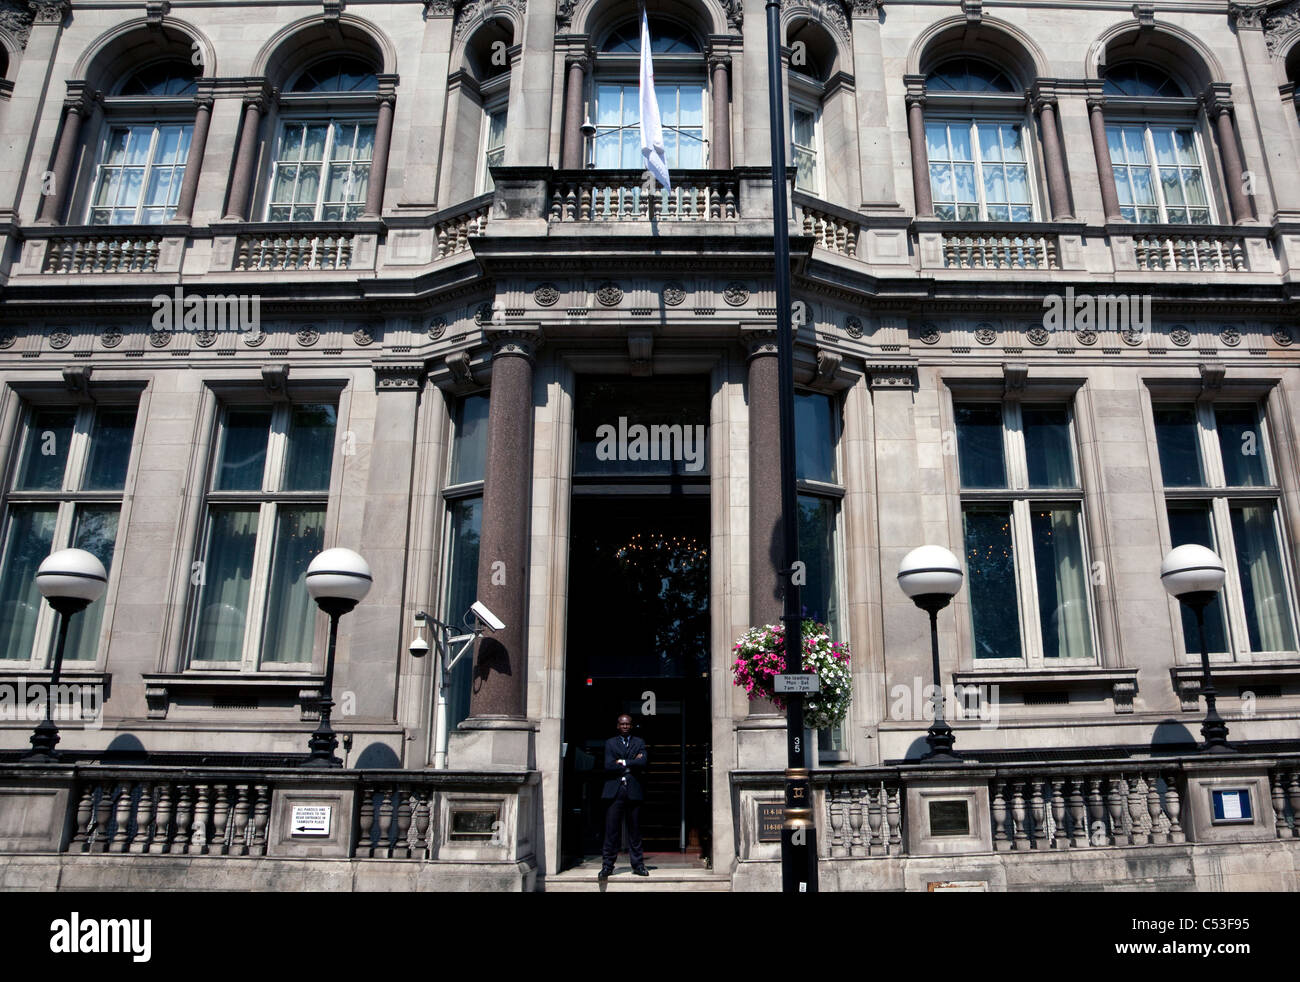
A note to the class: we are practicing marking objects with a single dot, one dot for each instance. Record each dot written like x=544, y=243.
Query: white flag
x=652, y=133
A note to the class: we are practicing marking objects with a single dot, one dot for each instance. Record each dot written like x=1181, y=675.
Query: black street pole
x=323, y=742
x=799, y=832
x=46, y=735
x=1214, y=729
x=939, y=736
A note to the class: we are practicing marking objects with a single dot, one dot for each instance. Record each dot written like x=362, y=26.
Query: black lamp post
x=70, y=580
x=931, y=577
x=337, y=580
x=1194, y=575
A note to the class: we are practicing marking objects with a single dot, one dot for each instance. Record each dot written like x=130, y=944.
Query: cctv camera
x=588, y=129
x=486, y=616
x=419, y=648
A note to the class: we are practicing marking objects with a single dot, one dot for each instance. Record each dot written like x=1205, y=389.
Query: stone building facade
x=277, y=278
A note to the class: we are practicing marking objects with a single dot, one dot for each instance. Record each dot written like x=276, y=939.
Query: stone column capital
x=578, y=59
x=1217, y=99
x=1041, y=96
x=1247, y=16
x=865, y=8
x=1096, y=103
x=760, y=342
x=50, y=11
x=915, y=90
x=515, y=341
x=719, y=60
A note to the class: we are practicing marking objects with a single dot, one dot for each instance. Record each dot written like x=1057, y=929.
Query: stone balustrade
x=1190, y=252
x=829, y=229
x=281, y=251
x=864, y=818
x=452, y=230
x=1000, y=249
x=102, y=254
x=621, y=196
x=1284, y=784
x=156, y=816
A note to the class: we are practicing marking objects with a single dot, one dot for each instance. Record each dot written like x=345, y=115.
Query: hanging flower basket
x=760, y=655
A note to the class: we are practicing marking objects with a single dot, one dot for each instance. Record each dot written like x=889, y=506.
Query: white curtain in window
x=227, y=574
x=1065, y=615
x=1268, y=613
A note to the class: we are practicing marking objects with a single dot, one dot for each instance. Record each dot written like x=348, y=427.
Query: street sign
x=806, y=682
x=310, y=820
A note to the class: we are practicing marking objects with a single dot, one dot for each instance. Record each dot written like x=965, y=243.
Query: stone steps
x=663, y=880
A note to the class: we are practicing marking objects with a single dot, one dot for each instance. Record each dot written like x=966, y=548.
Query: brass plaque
x=949, y=818
x=771, y=819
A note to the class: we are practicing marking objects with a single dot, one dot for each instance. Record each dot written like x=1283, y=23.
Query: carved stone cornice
x=865, y=8
x=396, y=377
x=892, y=376
x=439, y=8
x=50, y=11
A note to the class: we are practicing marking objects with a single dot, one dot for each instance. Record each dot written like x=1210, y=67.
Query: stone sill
x=1122, y=681
x=303, y=688
x=1187, y=678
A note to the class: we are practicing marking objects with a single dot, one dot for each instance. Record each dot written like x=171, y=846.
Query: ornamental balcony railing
x=832, y=228
x=249, y=812
x=623, y=196
x=454, y=227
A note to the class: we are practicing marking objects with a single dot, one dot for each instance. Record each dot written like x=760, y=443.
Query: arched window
x=968, y=75
x=679, y=88
x=975, y=135
x=811, y=63
x=1155, y=154
x=337, y=75
x=141, y=159
x=320, y=171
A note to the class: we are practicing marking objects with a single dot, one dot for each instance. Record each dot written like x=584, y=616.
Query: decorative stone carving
x=673, y=294
x=759, y=342
x=546, y=295
x=865, y=8
x=1247, y=16
x=254, y=338
x=362, y=337
x=1038, y=335
x=60, y=339
x=564, y=13
x=1280, y=24
x=828, y=13
x=895, y=378
x=483, y=313
x=16, y=18
x=154, y=13
x=609, y=294
x=521, y=342
x=735, y=294
x=828, y=365
x=1122, y=692
x=205, y=339
x=439, y=8
x=974, y=11
x=1282, y=335
x=929, y=333
x=735, y=13
x=50, y=11
x=1014, y=377
x=473, y=13
x=1086, y=336
x=7, y=340
x=1133, y=335
x=392, y=377
x=1180, y=335
x=437, y=327
x=307, y=337
x=985, y=334
x=1145, y=14
x=160, y=339
x=458, y=365
x=853, y=326
x=1230, y=336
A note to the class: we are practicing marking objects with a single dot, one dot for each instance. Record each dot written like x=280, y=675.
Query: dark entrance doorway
x=638, y=636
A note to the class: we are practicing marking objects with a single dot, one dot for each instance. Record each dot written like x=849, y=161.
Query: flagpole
x=799, y=831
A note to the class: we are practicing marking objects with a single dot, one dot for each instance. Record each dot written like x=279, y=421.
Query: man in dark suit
x=625, y=763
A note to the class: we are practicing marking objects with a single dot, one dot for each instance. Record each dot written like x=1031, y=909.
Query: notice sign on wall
x=310, y=820
x=771, y=818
